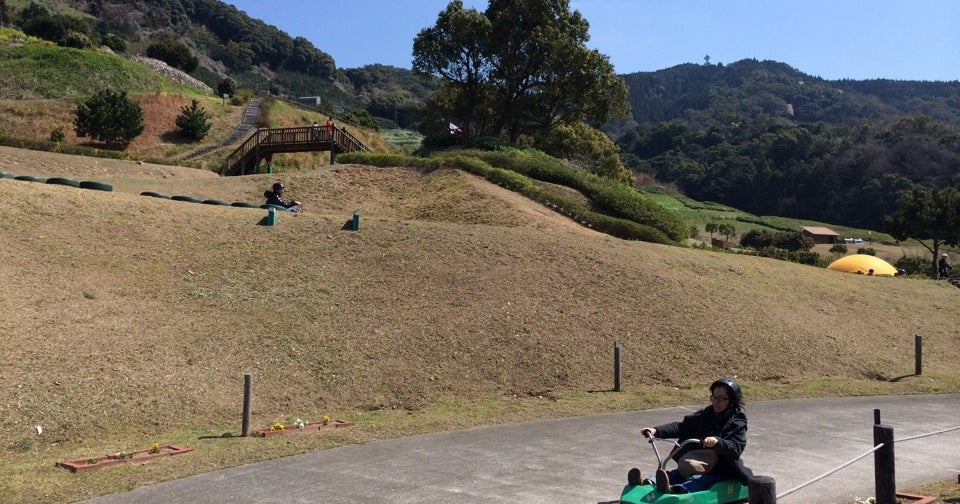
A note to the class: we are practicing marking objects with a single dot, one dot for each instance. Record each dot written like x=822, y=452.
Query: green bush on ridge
x=508, y=169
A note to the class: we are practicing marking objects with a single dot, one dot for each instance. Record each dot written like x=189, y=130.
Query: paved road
x=585, y=460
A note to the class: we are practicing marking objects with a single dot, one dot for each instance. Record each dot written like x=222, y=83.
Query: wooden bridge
x=262, y=145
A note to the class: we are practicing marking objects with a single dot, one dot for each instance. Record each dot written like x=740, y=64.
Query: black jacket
x=730, y=427
x=275, y=199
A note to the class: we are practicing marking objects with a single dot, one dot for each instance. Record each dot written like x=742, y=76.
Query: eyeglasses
x=719, y=399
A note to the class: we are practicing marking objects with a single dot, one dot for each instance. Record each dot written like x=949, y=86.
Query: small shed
x=820, y=234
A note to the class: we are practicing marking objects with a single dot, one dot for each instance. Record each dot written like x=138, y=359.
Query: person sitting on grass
x=275, y=197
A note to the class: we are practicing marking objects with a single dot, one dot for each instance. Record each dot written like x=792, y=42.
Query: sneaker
x=648, y=481
x=633, y=477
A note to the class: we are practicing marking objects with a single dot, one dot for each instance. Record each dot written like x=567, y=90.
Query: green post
x=356, y=220
x=271, y=217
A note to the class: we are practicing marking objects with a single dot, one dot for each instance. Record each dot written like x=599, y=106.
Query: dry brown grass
x=130, y=320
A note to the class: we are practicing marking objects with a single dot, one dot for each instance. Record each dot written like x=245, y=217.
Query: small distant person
x=330, y=125
x=275, y=197
x=870, y=273
x=315, y=131
x=943, y=266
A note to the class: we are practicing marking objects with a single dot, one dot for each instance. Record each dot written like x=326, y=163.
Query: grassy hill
x=130, y=320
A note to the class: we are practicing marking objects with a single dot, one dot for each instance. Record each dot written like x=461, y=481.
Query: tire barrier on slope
x=244, y=204
x=154, y=195
x=63, y=181
x=97, y=186
x=215, y=202
x=30, y=178
x=4, y=174
x=189, y=199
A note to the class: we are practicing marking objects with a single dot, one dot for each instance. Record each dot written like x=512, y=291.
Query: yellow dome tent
x=863, y=263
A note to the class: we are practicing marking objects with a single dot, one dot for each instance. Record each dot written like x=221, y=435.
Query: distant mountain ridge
x=749, y=87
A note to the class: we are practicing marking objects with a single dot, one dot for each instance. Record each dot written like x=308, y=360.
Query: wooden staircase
x=264, y=143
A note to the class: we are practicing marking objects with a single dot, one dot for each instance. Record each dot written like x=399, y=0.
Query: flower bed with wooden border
x=916, y=499
x=143, y=455
x=282, y=430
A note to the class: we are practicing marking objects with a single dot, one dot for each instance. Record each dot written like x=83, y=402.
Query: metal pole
x=876, y=416
x=247, y=395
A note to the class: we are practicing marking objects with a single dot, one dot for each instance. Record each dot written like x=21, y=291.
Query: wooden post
x=247, y=395
x=762, y=490
x=883, y=465
x=616, y=367
x=918, y=354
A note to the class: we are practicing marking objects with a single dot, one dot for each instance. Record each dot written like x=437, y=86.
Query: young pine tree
x=193, y=122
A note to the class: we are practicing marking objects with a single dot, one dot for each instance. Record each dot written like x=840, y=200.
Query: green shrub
x=109, y=117
x=867, y=250
x=914, y=265
x=193, y=122
x=116, y=43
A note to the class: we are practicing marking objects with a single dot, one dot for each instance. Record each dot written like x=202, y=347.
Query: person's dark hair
x=278, y=187
x=736, y=397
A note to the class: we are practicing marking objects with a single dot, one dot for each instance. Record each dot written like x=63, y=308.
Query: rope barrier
x=868, y=452
x=926, y=435
x=828, y=473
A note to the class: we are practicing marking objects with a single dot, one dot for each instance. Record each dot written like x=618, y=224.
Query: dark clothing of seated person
x=722, y=427
x=943, y=266
x=275, y=197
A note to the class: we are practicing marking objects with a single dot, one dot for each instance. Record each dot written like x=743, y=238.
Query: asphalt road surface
x=585, y=459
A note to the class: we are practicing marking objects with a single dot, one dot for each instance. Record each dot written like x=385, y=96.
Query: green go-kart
x=658, y=491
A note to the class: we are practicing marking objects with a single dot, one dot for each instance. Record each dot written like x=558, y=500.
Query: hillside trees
x=930, y=216
x=518, y=70
x=175, y=54
x=109, y=117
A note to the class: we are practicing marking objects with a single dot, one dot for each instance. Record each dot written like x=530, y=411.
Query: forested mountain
x=223, y=42
x=757, y=135
x=750, y=87
x=768, y=139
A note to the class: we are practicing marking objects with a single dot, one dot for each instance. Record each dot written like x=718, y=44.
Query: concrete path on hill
x=585, y=459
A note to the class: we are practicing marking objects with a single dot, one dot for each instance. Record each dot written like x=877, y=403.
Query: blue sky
x=833, y=39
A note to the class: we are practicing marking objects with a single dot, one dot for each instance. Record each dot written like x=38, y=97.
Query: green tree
x=226, y=86
x=109, y=117
x=455, y=51
x=728, y=230
x=711, y=227
x=930, y=216
x=175, y=54
x=520, y=68
x=193, y=122
x=115, y=42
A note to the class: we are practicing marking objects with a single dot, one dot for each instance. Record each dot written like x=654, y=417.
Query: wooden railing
x=264, y=143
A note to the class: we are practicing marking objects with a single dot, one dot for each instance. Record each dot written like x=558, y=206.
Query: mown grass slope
x=128, y=320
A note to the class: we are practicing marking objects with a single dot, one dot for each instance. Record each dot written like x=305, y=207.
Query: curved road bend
x=585, y=459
